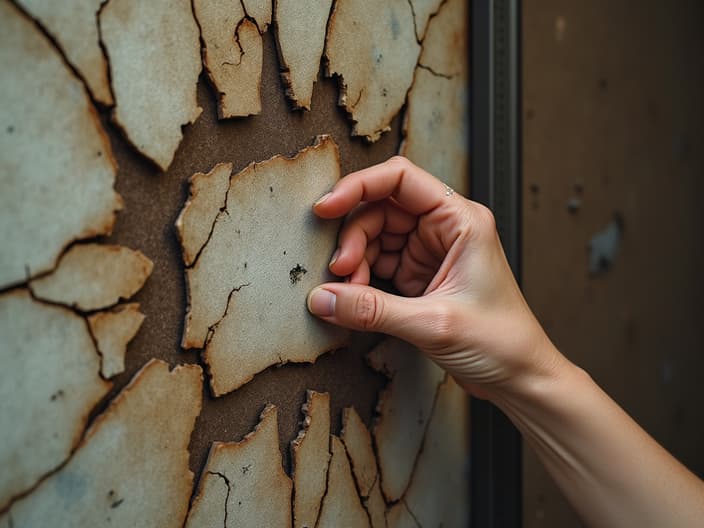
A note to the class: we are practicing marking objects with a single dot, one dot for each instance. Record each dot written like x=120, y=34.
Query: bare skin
x=460, y=305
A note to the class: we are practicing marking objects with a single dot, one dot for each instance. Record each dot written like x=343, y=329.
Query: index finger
x=413, y=189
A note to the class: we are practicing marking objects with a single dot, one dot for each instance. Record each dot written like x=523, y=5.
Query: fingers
x=412, y=188
x=364, y=308
x=367, y=225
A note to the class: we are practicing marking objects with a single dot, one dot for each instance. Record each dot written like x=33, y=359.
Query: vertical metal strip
x=495, y=150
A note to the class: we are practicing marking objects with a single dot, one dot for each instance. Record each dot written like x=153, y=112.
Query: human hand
x=459, y=301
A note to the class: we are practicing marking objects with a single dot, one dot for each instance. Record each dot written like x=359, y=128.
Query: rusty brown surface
x=152, y=203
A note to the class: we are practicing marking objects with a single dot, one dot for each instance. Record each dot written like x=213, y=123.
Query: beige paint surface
x=131, y=468
x=153, y=198
x=56, y=165
x=247, y=291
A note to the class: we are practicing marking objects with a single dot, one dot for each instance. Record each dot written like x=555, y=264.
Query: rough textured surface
x=341, y=505
x=436, y=124
x=243, y=483
x=373, y=48
x=300, y=38
x=358, y=443
x=154, y=54
x=153, y=200
x=439, y=493
x=74, y=26
x=422, y=11
x=56, y=166
x=232, y=54
x=112, y=331
x=152, y=203
x=131, y=468
x=207, y=199
x=49, y=382
x=404, y=409
x=247, y=291
x=310, y=455
x=94, y=276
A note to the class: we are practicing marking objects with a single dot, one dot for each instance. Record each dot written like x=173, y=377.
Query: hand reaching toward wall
x=460, y=304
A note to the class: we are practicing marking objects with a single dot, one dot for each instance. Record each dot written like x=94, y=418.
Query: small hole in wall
x=296, y=274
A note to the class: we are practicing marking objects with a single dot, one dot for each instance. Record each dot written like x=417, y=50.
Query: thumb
x=365, y=308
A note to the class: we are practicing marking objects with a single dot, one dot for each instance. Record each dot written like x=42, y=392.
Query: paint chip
x=153, y=50
x=358, y=443
x=207, y=199
x=243, y=483
x=94, y=276
x=436, y=122
x=404, y=408
x=49, y=382
x=56, y=167
x=74, y=26
x=244, y=309
x=131, y=469
x=439, y=491
x=310, y=455
x=233, y=52
x=341, y=505
x=112, y=331
x=300, y=39
x=372, y=47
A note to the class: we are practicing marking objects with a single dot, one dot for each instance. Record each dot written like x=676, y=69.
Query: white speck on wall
x=604, y=246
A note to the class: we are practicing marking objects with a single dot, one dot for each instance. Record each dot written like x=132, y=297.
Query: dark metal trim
x=495, y=137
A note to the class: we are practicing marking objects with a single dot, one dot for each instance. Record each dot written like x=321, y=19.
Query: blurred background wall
x=613, y=116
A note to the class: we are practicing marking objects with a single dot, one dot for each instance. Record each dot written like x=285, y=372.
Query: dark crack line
x=420, y=39
x=104, y=49
x=253, y=20
x=327, y=484
x=212, y=328
x=98, y=352
x=425, y=436
x=436, y=73
x=222, y=211
x=359, y=98
x=325, y=62
x=57, y=47
x=363, y=499
x=236, y=36
x=229, y=489
x=415, y=22
x=410, y=512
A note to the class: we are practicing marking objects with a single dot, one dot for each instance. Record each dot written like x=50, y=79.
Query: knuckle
x=368, y=310
x=484, y=217
x=400, y=162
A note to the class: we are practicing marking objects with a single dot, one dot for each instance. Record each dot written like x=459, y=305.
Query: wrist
x=544, y=369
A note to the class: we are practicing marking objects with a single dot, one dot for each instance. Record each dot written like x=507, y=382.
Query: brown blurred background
x=613, y=113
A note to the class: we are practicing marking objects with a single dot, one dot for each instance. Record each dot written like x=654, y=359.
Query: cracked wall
x=153, y=195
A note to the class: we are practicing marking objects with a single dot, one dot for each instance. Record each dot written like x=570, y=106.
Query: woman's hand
x=459, y=301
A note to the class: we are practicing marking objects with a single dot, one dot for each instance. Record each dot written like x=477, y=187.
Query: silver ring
x=449, y=191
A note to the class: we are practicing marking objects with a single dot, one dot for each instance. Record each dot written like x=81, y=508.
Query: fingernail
x=321, y=302
x=335, y=256
x=322, y=199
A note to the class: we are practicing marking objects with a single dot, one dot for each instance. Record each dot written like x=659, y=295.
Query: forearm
x=610, y=470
